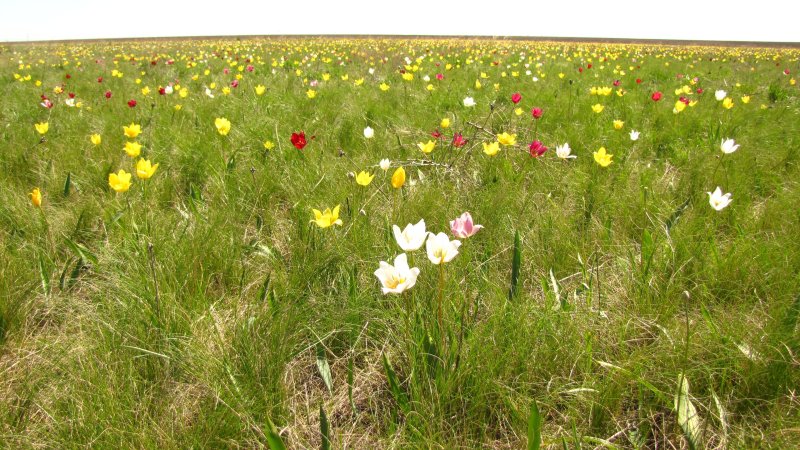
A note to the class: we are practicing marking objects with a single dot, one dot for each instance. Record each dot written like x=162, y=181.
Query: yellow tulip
x=727, y=103
x=42, y=127
x=598, y=108
x=132, y=131
x=398, y=178
x=507, y=139
x=133, y=149
x=491, y=149
x=364, y=179
x=260, y=89
x=445, y=123
x=618, y=124
x=36, y=197
x=144, y=170
x=327, y=218
x=120, y=181
x=602, y=158
x=427, y=147
x=96, y=139
x=223, y=125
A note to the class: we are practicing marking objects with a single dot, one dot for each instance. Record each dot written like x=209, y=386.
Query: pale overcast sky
x=728, y=20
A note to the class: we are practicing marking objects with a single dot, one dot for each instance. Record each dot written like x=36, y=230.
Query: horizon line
x=566, y=39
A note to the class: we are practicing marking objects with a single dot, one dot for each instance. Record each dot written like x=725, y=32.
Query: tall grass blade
x=273, y=437
x=534, y=428
x=324, y=429
x=688, y=419
x=324, y=368
x=516, y=262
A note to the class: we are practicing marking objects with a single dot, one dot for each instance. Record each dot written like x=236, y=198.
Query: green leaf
x=265, y=288
x=44, y=275
x=394, y=385
x=648, y=250
x=273, y=437
x=324, y=429
x=676, y=214
x=516, y=262
x=81, y=251
x=67, y=184
x=324, y=368
x=688, y=419
x=534, y=428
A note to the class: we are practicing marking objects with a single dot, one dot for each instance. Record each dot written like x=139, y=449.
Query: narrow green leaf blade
x=534, y=428
x=273, y=437
x=324, y=368
x=324, y=429
x=516, y=262
x=688, y=419
x=67, y=184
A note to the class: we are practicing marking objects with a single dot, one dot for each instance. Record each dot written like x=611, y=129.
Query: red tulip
x=235, y=83
x=162, y=91
x=108, y=94
x=99, y=79
x=132, y=103
x=436, y=134
x=71, y=95
x=516, y=97
x=616, y=82
x=439, y=76
x=537, y=113
x=537, y=149
x=656, y=96
x=638, y=81
x=299, y=140
x=458, y=140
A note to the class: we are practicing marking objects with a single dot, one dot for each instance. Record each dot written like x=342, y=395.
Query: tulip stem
x=439, y=306
x=152, y=257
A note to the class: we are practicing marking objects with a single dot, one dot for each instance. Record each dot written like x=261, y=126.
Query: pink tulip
x=463, y=227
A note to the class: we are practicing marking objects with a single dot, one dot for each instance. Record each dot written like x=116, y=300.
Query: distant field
x=199, y=251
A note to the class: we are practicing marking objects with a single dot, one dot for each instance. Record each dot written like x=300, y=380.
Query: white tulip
x=717, y=200
x=720, y=95
x=398, y=278
x=634, y=135
x=369, y=133
x=441, y=249
x=469, y=102
x=728, y=146
x=412, y=237
x=564, y=152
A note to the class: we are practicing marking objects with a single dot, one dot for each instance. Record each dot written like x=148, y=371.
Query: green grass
x=628, y=284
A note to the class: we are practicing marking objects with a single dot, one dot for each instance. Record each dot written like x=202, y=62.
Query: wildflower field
x=367, y=244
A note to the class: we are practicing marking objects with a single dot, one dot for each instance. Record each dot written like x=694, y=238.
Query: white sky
x=729, y=20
